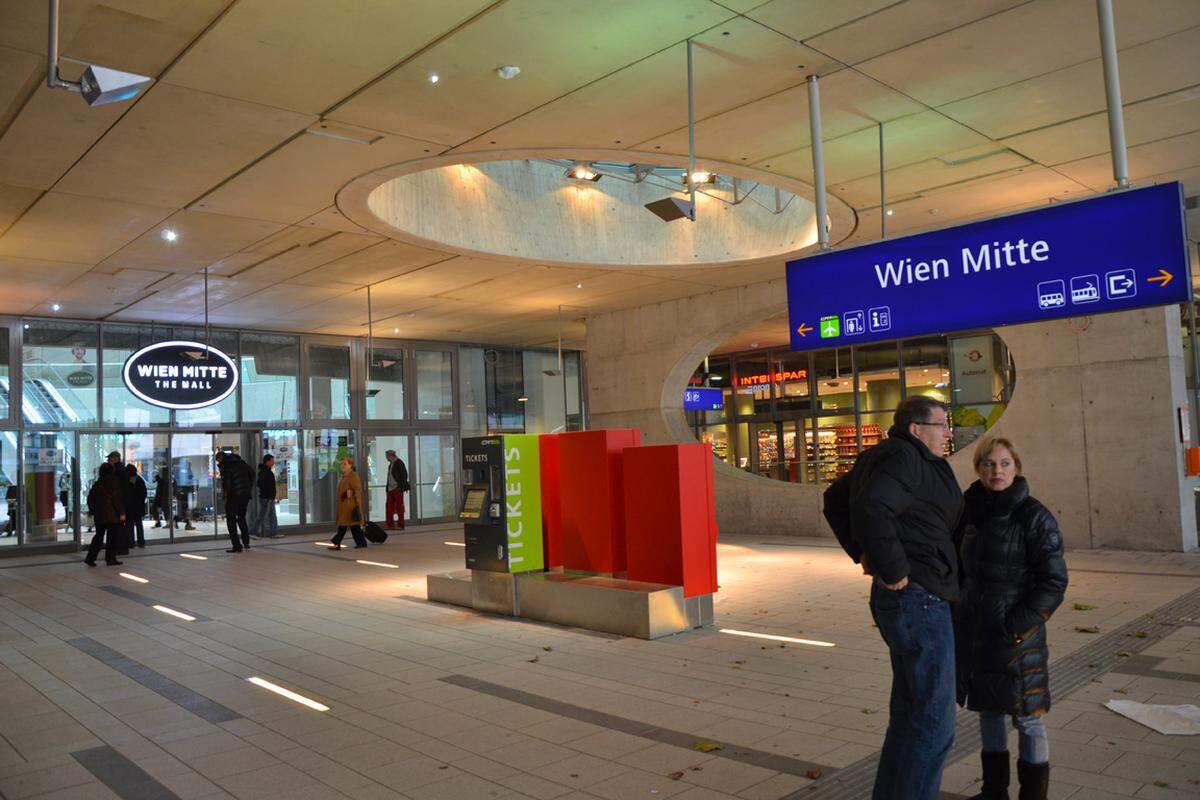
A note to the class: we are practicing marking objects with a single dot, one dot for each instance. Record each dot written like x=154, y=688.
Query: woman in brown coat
x=350, y=514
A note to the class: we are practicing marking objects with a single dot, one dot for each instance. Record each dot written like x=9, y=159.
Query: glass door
x=284, y=445
x=377, y=473
x=148, y=453
x=192, y=493
x=49, y=463
x=8, y=488
x=436, y=483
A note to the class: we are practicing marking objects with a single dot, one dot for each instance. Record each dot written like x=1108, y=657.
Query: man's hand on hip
x=895, y=587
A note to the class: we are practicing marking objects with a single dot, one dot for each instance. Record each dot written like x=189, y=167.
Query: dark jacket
x=237, y=477
x=1014, y=576
x=162, y=495
x=400, y=475
x=266, y=482
x=905, y=506
x=134, y=495
x=105, y=500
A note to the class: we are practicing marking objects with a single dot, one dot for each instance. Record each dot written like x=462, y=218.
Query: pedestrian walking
x=266, y=523
x=237, y=484
x=1014, y=577
x=104, y=502
x=397, y=485
x=350, y=514
x=161, y=506
x=134, y=498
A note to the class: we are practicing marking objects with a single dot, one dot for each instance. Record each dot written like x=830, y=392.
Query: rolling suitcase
x=374, y=533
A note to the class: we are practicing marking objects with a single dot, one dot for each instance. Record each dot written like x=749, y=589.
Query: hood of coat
x=983, y=503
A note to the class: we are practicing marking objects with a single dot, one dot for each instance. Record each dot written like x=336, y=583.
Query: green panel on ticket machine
x=502, y=503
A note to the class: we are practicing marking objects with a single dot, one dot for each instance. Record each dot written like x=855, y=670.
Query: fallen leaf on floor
x=444, y=766
x=1121, y=691
x=1123, y=654
x=742, y=661
x=707, y=747
x=868, y=711
x=547, y=648
x=696, y=768
x=1093, y=664
x=1161, y=784
x=675, y=776
x=1087, y=629
x=1140, y=635
x=1085, y=607
x=813, y=774
x=534, y=660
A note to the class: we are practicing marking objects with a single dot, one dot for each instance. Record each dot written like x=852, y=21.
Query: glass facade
x=805, y=417
x=306, y=400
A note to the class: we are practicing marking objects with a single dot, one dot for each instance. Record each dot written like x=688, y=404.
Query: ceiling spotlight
x=889, y=212
x=701, y=176
x=582, y=172
x=56, y=307
x=395, y=330
x=169, y=235
x=508, y=72
x=579, y=286
x=433, y=77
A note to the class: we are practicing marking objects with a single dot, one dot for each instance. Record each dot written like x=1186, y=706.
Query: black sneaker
x=234, y=550
x=89, y=563
x=113, y=563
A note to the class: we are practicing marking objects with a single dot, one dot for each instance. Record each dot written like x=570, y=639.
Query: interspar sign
x=523, y=503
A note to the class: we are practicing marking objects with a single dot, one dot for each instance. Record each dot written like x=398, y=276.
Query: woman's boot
x=1035, y=780
x=995, y=777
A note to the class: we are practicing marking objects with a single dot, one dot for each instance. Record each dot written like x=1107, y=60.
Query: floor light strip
x=175, y=613
x=455, y=544
x=775, y=638
x=323, y=544
x=379, y=564
x=189, y=555
x=288, y=693
x=132, y=577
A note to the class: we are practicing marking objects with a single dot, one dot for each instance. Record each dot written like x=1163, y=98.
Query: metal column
x=691, y=176
x=882, y=189
x=818, y=158
x=1112, y=90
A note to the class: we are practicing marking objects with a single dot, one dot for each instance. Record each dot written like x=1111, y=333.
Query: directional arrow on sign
x=804, y=330
x=1162, y=278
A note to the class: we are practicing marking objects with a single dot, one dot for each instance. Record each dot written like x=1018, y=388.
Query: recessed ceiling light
x=433, y=77
x=395, y=330
x=508, y=72
x=889, y=212
x=169, y=235
x=577, y=286
x=56, y=307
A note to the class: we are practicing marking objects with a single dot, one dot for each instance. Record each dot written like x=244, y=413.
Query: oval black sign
x=180, y=375
x=81, y=378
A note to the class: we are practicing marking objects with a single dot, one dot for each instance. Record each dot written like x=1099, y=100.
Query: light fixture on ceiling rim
x=98, y=85
x=699, y=176
x=582, y=171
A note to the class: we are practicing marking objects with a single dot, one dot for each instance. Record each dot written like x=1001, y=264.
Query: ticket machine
x=501, y=508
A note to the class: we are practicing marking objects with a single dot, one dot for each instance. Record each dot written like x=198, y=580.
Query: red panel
x=592, y=500
x=669, y=519
x=552, y=531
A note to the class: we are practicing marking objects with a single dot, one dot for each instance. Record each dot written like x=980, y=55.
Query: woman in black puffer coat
x=1014, y=577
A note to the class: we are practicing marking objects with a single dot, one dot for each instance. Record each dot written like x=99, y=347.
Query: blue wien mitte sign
x=1111, y=253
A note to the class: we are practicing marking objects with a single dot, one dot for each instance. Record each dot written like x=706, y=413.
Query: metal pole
x=691, y=135
x=52, y=79
x=818, y=158
x=207, y=329
x=882, y=189
x=1112, y=90
x=370, y=334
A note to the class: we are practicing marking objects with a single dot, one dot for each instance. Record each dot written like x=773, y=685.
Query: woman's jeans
x=1033, y=745
x=917, y=629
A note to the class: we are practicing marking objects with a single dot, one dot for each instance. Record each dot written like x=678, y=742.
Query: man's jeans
x=920, y=637
x=265, y=516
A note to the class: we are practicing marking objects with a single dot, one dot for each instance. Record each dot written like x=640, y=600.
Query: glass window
x=833, y=444
x=285, y=446
x=789, y=371
x=435, y=385
x=323, y=454
x=545, y=392
x=385, y=387
x=753, y=375
x=472, y=392
x=505, y=388
x=717, y=436
x=4, y=386
x=224, y=412
x=571, y=365
x=437, y=477
x=878, y=389
x=48, y=487
x=270, y=377
x=59, y=362
x=8, y=488
x=377, y=474
x=328, y=382
x=977, y=389
x=121, y=408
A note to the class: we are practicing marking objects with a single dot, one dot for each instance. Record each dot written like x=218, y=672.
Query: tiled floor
x=103, y=695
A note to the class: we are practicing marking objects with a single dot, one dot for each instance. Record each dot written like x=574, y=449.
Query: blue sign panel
x=703, y=399
x=1110, y=253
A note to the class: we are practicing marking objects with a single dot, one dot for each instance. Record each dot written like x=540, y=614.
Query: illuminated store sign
x=776, y=377
x=180, y=375
x=1116, y=252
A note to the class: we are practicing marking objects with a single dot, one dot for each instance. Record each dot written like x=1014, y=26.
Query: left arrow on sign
x=1162, y=278
x=804, y=330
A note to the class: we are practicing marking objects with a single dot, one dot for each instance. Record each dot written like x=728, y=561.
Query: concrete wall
x=1093, y=415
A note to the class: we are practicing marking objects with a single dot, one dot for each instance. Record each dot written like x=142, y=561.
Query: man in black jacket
x=397, y=485
x=237, y=483
x=905, y=506
x=266, y=523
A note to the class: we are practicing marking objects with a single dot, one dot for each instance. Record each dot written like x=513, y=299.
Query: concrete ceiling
x=987, y=106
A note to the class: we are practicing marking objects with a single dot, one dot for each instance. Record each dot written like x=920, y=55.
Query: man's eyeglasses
x=945, y=425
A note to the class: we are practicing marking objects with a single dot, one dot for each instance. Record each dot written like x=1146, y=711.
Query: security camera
x=101, y=85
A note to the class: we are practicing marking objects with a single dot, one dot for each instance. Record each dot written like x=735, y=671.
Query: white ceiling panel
x=83, y=230
x=929, y=175
x=301, y=178
x=176, y=144
x=19, y=72
x=1165, y=156
x=29, y=282
x=378, y=262
x=577, y=41
x=292, y=263
x=265, y=52
x=1015, y=45
x=1147, y=70
x=13, y=202
x=203, y=239
x=803, y=19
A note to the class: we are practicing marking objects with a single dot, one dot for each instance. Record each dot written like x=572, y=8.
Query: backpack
x=91, y=498
x=836, y=509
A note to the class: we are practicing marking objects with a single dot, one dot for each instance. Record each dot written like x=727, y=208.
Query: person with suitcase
x=349, y=513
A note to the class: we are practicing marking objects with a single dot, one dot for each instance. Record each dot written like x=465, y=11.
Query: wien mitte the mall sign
x=180, y=375
x=1110, y=253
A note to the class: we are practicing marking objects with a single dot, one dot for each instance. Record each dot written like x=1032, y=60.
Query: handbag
x=355, y=513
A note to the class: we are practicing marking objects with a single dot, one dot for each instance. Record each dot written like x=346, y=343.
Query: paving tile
x=412, y=772
x=580, y=771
